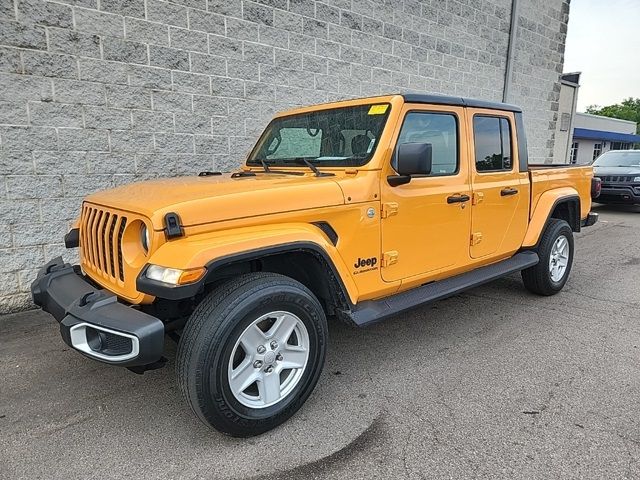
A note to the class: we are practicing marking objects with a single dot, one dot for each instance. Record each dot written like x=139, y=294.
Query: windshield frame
x=613, y=153
x=348, y=162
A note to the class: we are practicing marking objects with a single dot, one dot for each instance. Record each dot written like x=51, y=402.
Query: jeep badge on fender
x=366, y=262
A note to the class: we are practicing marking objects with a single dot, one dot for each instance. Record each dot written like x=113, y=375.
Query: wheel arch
x=305, y=262
x=563, y=204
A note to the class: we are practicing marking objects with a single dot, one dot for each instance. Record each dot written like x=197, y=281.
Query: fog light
x=174, y=276
x=94, y=339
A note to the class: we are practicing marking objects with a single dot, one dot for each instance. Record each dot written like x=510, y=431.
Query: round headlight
x=145, y=237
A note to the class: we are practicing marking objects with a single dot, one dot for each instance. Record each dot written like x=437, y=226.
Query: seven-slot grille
x=617, y=178
x=101, y=234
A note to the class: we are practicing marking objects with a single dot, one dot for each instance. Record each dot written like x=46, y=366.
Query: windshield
x=340, y=137
x=619, y=159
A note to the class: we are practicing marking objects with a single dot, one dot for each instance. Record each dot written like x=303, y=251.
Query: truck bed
x=545, y=177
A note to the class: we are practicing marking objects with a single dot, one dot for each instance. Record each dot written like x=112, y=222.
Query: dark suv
x=619, y=171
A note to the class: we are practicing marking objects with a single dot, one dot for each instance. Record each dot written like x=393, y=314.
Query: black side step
x=371, y=311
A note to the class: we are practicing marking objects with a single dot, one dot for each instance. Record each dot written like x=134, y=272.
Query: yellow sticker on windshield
x=378, y=109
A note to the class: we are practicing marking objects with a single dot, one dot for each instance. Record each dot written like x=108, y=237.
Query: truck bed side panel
x=545, y=178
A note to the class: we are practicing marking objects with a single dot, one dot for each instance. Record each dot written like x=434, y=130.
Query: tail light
x=596, y=187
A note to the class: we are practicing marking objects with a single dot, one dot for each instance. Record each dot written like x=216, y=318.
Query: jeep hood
x=606, y=170
x=201, y=200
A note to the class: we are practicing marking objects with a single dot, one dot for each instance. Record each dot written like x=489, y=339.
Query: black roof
x=457, y=101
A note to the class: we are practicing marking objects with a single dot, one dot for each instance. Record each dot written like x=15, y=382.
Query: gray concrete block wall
x=540, y=42
x=97, y=93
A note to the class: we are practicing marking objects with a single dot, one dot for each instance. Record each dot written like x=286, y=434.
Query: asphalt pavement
x=492, y=383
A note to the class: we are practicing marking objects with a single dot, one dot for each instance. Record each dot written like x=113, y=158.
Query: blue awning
x=603, y=135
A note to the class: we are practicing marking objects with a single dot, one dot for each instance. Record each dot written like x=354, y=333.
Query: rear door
x=500, y=203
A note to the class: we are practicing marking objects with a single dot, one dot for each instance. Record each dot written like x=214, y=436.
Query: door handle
x=505, y=192
x=458, y=198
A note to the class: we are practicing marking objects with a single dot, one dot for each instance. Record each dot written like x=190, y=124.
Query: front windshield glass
x=618, y=159
x=340, y=137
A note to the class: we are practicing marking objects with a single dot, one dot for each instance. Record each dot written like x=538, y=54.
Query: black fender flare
x=162, y=290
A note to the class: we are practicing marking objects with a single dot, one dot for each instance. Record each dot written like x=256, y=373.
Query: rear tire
x=251, y=353
x=555, y=250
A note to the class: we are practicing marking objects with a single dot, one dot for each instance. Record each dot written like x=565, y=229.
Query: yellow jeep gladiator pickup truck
x=358, y=209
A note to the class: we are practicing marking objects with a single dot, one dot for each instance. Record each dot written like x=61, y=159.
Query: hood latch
x=173, y=225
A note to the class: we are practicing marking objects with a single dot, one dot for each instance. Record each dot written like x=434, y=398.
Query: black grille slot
x=112, y=266
x=95, y=234
x=120, y=259
x=102, y=239
x=92, y=216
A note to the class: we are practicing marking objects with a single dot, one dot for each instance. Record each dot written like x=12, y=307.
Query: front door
x=500, y=205
x=426, y=222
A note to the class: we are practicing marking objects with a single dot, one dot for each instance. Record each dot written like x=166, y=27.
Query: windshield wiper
x=263, y=162
x=267, y=169
x=313, y=168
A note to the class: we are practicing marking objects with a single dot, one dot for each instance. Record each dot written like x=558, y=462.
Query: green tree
x=629, y=109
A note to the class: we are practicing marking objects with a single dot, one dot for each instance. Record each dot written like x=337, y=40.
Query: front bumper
x=623, y=194
x=93, y=322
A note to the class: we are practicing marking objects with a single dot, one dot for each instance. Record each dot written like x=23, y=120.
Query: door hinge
x=389, y=258
x=476, y=238
x=478, y=197
x=389, y=209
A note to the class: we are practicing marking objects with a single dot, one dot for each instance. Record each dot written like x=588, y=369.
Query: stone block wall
x=96, y=93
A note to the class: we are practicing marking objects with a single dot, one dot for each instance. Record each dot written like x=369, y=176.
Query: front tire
x=251, y=353
x=555, y=250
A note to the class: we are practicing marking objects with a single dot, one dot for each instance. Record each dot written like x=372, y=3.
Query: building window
x=597, y=150
x=620, y=146
x=573, y=157
x=492, y=138
x=565, y=121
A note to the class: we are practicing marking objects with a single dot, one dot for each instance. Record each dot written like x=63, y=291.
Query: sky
x=603, y=42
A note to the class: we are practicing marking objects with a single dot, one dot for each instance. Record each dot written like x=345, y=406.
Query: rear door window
x=492, y=139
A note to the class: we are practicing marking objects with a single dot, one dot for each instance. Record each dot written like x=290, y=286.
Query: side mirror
x=412, y=159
